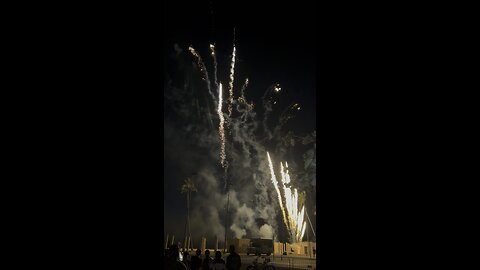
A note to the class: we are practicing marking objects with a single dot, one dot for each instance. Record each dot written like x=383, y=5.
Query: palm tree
x=188, y=187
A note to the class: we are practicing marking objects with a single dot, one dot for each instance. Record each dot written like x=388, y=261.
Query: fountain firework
x=293, y=220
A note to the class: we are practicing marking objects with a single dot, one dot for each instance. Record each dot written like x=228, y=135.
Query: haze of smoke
x=177, y=49
x=266, y=231
x=244, y=219
x=251, y=195
x=206, y=207
x=267, y=109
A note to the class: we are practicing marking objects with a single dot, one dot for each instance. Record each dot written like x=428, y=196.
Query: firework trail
x=203, y=70
x=221, y=130
x=242, y=92
x=212, y=49
x=230, y=89
x=275, y=184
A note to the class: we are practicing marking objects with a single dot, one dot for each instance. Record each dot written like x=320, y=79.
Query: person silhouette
x=207, y=261
x=172, y=260
x=218, y=263
x=196, y=261
x=234, y=262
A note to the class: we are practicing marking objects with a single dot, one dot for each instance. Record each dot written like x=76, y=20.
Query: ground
x=283, y=262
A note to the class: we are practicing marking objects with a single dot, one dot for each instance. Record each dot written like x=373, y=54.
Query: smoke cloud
x=266, y=231
x=192, y=147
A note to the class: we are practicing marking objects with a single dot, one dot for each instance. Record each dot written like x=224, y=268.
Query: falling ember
x=221, y=130
x=232, y=67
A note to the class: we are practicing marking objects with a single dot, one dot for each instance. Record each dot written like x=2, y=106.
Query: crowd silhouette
x=175, y=260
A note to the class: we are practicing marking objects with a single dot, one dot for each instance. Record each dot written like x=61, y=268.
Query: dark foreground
x=283, y=262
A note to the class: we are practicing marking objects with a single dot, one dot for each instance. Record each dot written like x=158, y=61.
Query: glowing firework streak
x=202, y=68
x=275, y=184
x=221, y=130
x=292, y=205
x=287, y=203
x=300, y=217
x=212, y=49
x=232, y=67
x=300, y=222
x=295, y=204
x=303, y=231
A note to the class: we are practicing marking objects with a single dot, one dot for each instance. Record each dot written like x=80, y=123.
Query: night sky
x=273, y=45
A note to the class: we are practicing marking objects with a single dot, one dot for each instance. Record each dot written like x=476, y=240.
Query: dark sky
x=275, y=44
